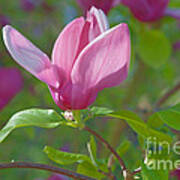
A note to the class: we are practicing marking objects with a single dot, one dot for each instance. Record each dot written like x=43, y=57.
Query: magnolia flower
x=176, y=46
x=10, y=84
x=87, y=57
x=150, y=10
x=176, y=173
x=105, y=5
x=3, y=20
x=27, y=5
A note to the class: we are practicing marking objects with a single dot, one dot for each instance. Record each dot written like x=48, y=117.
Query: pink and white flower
x=87, y=57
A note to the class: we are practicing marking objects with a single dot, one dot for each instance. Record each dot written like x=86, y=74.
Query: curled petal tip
x=5, y=30
x=99, y=22
x=93, y=9
x=6, y=27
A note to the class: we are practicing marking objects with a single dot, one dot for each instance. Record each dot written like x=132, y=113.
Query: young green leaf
x=148, y=174
x=154, y=48
x=139, y=126
x=88, y=169
x=158, y=163
x=100, y=111
x=64, y=158
x=155, y=121
x=171, y=116
x=31, y=117
x=123, y=148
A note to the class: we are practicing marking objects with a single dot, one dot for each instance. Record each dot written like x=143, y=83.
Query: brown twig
x=45, y=167
x=123, y=166
x=109, y=175
x=137, y=171
x=167, y=95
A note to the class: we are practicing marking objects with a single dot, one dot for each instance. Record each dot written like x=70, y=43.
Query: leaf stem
x=45, y=167
x=164, y=98
x=103, y=141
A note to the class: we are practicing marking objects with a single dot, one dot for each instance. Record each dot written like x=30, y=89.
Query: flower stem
x=123, y=166
x=45, y=167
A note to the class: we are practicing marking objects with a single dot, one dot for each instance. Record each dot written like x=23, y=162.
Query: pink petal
x=72, y=97
x=53, y=76
x=84, y=38
x=10, y=84
x=99, y=22
x=103, y=63
x=27, y=55
x=101, y=18
x=69, y=43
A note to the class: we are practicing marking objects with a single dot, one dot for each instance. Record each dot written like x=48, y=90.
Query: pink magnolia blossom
x=10, y=84
x=147, y=10
x=176, y=173
x=176, y=46
x=27, y=5
x=3, y=20
x=105, y=5
x=87, y=57
x=151, y=10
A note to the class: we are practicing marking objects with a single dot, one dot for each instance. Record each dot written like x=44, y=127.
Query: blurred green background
x=155, y=68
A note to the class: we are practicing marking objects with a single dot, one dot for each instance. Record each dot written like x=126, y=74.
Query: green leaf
x=174, y=4
x=64, y=158
x=156, y=174
x=123, y=148
x=154, y=48
x=139, y=126
x=171, y=116
x=31, y=117
x=102, y=165
x=100, y=111
x=92, y=150
x=155, y=121
x=158, y=160
x=88, y=169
